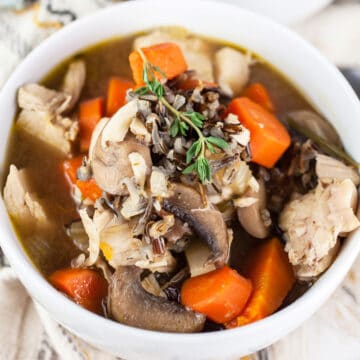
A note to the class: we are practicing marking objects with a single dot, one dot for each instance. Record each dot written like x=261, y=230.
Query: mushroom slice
x=207, y=222
x=252, y=217
x=111, y=165
x=329, y=169
x=130, y=304
x=111, y=146
x=316, y=124
x=38, y=98
x=74, y=81
x=118, y=126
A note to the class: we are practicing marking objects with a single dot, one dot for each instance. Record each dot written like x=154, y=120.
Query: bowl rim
x=50, y=298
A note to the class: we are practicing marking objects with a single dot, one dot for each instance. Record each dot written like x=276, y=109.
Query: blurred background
x=332, y=333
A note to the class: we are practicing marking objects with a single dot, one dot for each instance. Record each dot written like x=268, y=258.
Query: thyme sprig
x=182, y=123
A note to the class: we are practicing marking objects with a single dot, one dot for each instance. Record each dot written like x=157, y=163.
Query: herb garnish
x=195, y=156
x=326, y=146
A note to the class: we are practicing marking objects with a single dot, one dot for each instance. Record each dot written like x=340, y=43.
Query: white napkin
x=28, y=332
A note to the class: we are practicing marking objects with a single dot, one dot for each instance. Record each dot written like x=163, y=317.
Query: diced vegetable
x=168, y=57
x=88, y=188
x=220, y=294
x=258, y=93
x=272, y=277
x=70, y=167
x=268, y=136
x=116, y=94
x=86, y=287
x=90, y=113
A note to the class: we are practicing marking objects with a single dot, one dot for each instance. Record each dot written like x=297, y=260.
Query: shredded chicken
x=40, y=124
x=21, y=203
x=313, y=222
x=38, y=98
x=120, y=248
x=93, y=227
x=307, y=272
x=232, y=70
x=74, y=81
x=329, y=169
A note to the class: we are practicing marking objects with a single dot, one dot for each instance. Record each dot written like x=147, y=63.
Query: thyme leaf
x=183, y=121
x=219, y=142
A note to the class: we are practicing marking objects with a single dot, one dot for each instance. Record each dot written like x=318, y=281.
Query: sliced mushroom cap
x=316, y=124
x=130, y=304
x=111, y=165
x=111, y=145
x=207, y=222
x=251, y=217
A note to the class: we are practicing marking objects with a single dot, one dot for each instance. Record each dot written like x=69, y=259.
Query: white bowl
x=314, y=76
x=285, y=12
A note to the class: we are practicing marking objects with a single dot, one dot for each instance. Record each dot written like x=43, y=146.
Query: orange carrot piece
x=258, y=93
x=220, y=294
x=116, y=94
x=268, y=136
x=190, y=84
x=168, y=57
x=70, y=167
x=86, y=287
x=88, y=188
x=90, y=113
x=272, y=277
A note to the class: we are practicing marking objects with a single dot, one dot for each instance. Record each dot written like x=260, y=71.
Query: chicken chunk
x=21, y=204
x=232, y=70
x=57, y=132
x=38, y=98
x=329, y=169
x=313, y=222
x=196, y=52
x=307, y=272
x=74, y=81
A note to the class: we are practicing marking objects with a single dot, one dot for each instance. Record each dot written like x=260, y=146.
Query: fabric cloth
x=28, y=332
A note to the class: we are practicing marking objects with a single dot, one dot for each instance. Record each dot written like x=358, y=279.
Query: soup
x=172, y=182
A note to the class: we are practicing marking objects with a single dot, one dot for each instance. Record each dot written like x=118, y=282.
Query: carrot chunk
x=220, y=294
x=88, y=188
x=268, y=136
x=258, y=93
x=70, y=167
x=116, y=94
x=90, y=113
x=86, y=287
x=168, y=57
x=272, y=277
